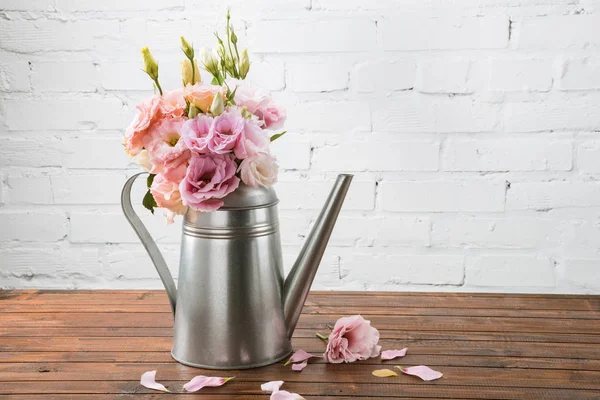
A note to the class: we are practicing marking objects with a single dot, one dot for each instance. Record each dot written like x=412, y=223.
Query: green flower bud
x=187, y=49
x=217, y=107
x=150, y=64
x=234, y=38
x=244, y=64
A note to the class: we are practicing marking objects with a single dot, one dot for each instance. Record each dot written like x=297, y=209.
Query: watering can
x=233, y=308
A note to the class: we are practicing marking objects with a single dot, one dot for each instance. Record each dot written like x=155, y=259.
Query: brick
x=550, y=195
x=53, y=35
x=14, y=77
x=520, y=75
x=53, y=263
x=443, y=196
x=510, y=271
x=444, y=76
x=253, y=8
x=384, y=76
x=582, y=273
x=30, y=5
x=292, y=153
x=294, y=227
x=339, y=117
x=87, y=189
x=129, y=264
x=117, y=5
x=381, y=231
x=424, y=33
x=581, y=238
x=32, y=226
x=404, y=269
x=560, y=32
x=65, y=76
x=31, y=152
x=508, y=154
x=102, y=227
x=555, y=113
x=506, y=232
x=64, y=114
x=125, y=76
x=588, y=157
x=580, y=74
x=30, y=190
x=268, y=74
x=299, y=36
x=107, y=154
x=317, y=76
x=372, y=156
x=418, y=113
x=311, y=195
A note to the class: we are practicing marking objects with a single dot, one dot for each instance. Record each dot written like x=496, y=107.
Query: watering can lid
x=249, y=197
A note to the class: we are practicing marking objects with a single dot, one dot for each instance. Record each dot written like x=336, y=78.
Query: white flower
x=143, y=159
x=259, y=170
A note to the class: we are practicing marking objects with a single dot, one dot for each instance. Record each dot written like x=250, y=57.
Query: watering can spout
x=300, y=278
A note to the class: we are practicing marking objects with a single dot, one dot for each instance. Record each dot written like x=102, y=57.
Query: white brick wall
x=471, y=126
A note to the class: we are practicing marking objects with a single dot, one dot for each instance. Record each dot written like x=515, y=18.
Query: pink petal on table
x=298, y=356
x=423, y=372
x=285, y=395
x=300, y=366
x=272, y=386
x=200, y=381
x=391, y=354
x=148, y=380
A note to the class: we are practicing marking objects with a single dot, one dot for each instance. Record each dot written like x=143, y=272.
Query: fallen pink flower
x=299, y=356
x=391, y=354
x=148, y=380
x=200, y=381
x=300, y=366
x=285, y=395
x=423, y=372
x=272, y=386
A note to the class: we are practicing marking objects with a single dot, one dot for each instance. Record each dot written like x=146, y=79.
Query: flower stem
x=158, y=86
x=322, y=337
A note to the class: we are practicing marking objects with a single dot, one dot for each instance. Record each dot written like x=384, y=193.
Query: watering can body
x=234, y=308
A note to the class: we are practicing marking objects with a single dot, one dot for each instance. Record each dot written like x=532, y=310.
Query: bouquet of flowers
x=199, y=141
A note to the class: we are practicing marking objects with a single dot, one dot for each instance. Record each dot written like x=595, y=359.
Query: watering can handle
x=148, y=242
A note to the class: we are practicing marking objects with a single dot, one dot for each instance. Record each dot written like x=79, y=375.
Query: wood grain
x=96, y=344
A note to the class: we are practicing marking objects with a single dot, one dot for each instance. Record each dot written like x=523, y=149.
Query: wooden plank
x=413, y=323
x=310, y=333
x=343, y=299
x=309, y=309
x=162, y=357
x=439, y=347
x=432, y=390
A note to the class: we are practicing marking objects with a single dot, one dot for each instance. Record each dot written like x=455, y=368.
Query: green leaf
x=277, y=136
x=149, y=202
x=150, y=180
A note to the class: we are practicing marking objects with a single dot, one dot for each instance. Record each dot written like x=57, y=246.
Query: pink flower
x=172, y=103
x=195, y=133
x=253, y=140
x=273, y=116
x=209, y=178
x=353, y=338
x=252, y=98
x=167, y=196
x=201, y=95
x=168, y=154
x=225, y=131
x=259, y=170
x=259, y=103
x=148, y=112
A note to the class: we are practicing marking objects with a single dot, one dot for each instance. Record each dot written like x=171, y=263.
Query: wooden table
x=96, y=344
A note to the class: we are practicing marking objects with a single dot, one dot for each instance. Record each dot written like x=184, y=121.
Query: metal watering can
x=233, y=308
